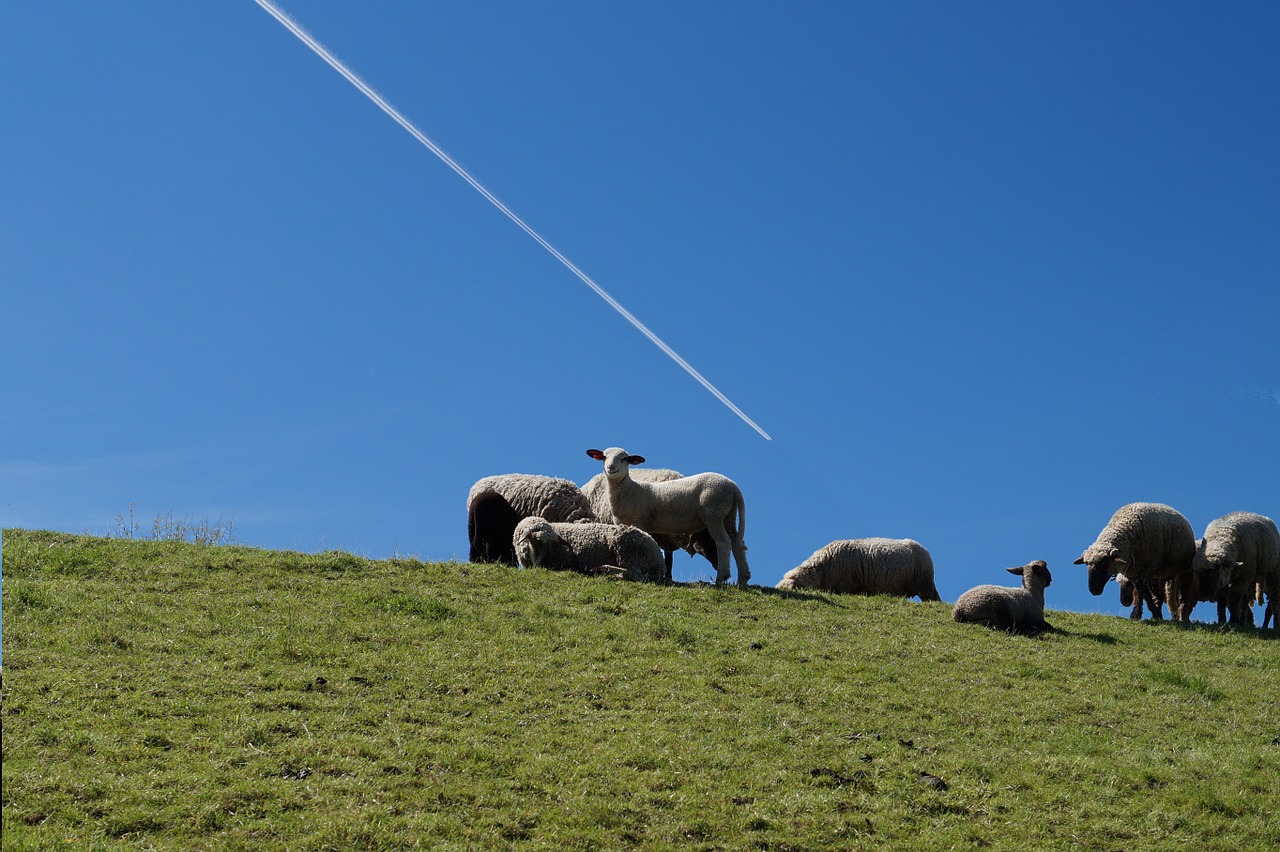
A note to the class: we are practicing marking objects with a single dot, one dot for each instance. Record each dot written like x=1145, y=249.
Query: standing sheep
x=491, y=522
x=1147, y=542
x=705, y=501
x=597, y=493
x=1008, y=608
x=589, y=548
x=1240, y=552
x=867, y=566
x=1134, y=595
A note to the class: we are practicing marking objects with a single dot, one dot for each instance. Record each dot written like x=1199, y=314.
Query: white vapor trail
x=372, y=95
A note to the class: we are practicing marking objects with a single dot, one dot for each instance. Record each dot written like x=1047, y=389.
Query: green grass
x=163, y=694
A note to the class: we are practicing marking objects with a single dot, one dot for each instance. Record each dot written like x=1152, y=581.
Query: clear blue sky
x=985, y=271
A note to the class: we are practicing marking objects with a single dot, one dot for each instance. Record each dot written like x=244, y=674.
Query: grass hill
x=177, y=696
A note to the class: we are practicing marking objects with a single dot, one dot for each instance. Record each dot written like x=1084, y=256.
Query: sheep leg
x=667, y=555
x=724, y=545
x=1152, y=604
x=740, y=557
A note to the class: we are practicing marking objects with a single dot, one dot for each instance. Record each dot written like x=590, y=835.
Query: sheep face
x=532, y=539
x=1217, y=558
x=1102, y=567
x=1038, y=569
x=616, y=462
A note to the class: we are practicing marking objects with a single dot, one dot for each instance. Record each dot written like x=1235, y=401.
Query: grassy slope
x=168, y=694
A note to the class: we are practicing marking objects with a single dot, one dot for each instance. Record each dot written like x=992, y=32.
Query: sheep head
x=1215, y=557
x=1039, y=568
x=1102, y=567
x=616, y=462
x=532, y=539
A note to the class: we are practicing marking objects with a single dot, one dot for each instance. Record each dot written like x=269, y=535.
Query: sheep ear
x=1079, y=561
x=635, y=459
x=1017, y=570
x=596, y=454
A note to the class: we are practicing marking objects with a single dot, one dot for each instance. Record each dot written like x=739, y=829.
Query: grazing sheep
x=589, y=548
x=1135, y=594
x=491, y=522
x=1008, y=608
x=867, y=566
x=537, y=496
x=1239, y=553
x=1148, y=542
x=705, y=501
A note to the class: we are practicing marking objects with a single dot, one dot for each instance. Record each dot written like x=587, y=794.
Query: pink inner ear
x=596, y=454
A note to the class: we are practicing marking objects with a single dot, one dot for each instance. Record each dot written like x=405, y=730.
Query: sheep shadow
x=1100, y=638
x=795, y=595
x=1261, y=633
x=768, y=591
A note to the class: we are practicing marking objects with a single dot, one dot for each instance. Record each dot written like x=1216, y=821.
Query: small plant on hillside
x=126, y=526
x=166, y=527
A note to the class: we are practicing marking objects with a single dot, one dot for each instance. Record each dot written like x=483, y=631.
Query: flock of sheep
x=627, y=524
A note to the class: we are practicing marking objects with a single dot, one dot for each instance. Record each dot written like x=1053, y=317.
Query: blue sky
x=984, y=271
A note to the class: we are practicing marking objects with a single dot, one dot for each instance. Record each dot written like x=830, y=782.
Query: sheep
x=491, y=523
x=1134, y=595
x=705, y=501
x=1148, y=542
x=867, y=566
x=589, y=548
x=1007, y=608
x=537, y=496
x=1192, y=587
x=1239, y=553
x=597, y=492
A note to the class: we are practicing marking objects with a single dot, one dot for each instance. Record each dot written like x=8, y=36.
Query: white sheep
x=1240, y=553
x=1148, y=542
x=597, y=493
x=705, y=501
x=867, y=566
x=532, y=495
x=589, y=548
x=1008, y=608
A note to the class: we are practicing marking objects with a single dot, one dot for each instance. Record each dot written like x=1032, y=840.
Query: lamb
x=1148, y=542
x=1134, y=595
x=706, y=501
x=537, y=496
x=1240, y=552
x=589, y=548
x=491, y=523
x=867, y=566
x=1006, y=608
x=597, y=492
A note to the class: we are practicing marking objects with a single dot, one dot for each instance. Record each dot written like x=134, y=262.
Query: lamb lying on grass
x=1008, y=608
x=589, y=548
x=867, y=566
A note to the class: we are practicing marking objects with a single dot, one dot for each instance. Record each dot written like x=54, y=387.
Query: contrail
x=372, y=95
